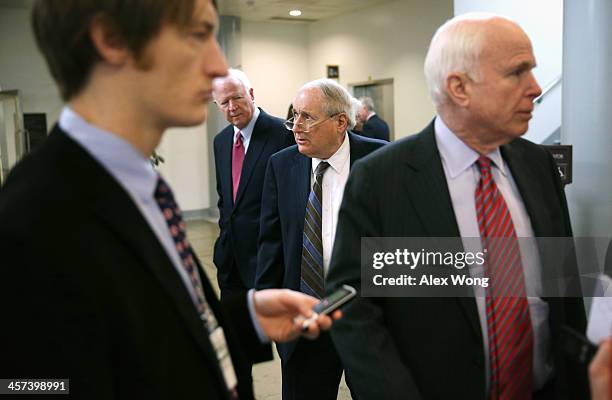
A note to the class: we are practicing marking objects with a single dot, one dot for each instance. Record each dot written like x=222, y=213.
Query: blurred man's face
x=502, y=91
x=234, y=101
x=175, y=90
x=317, y=134
x=363, y=114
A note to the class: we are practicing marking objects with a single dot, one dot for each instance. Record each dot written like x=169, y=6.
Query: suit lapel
x=525, y=175
x=429, y=194
x=121, y=215
x=117, y=211
x=258, y=142
x=300, y=174
x=225, y=162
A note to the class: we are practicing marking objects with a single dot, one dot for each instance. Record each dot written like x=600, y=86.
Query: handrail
x=547, y=89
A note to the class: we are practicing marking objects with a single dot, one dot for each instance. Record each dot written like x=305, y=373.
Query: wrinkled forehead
x=310, y=100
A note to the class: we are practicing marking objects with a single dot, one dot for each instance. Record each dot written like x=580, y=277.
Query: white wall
x=23, y=68
x=384, y=41
x=274, y=56
x=186, y=168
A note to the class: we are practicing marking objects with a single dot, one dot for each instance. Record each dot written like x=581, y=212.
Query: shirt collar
x=339, y=159
x=248, y=130
x=457, y=155
x=126, y=164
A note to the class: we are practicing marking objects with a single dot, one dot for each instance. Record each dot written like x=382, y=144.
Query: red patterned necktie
x=237, y=161
x=508, y=322
x=176, y=226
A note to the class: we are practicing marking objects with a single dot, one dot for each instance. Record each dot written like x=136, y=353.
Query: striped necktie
x=312, y=279
x=508, y=322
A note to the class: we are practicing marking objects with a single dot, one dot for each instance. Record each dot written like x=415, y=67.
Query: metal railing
x=547, y=89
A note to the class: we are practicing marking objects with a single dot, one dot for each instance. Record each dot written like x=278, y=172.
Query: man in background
x=373, y=126
x=470, y=175
x=97, y=274
x=242, y=151
x=302, y=193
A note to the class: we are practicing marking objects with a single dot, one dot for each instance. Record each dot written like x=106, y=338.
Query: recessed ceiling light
x=295, y=13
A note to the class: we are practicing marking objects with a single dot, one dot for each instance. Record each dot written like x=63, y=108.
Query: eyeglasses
x=307, y=123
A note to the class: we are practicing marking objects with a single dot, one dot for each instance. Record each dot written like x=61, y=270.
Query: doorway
x=381, y=93
x=12, y=137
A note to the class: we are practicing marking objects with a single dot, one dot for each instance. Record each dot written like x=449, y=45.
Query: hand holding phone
x=330, y=304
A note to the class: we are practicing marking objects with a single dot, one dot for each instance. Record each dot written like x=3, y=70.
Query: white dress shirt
x=334, y=180
x=247, y=132
x=462, y=176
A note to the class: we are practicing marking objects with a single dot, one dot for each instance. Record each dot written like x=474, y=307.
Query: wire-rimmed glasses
x=306, y=122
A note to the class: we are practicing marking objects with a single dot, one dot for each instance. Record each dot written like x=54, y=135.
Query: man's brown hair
x=61, y=29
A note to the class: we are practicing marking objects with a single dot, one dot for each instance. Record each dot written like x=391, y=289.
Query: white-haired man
x=468, y=174
x=372, y=125
x=302, y=193
x=241, y=150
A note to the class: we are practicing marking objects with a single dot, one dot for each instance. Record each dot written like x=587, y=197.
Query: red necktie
x=237, y=161
x=176, y=226
x=509, y=326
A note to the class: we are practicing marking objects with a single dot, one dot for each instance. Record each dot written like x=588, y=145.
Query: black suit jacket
x=376, y=128
x=432, y=348
x=286, y=190
x=239, y=222
x=92, y=294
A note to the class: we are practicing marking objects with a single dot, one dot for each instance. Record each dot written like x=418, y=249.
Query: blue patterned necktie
x=312, y=279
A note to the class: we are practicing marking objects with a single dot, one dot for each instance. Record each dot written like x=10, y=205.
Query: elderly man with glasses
x=302, y=193
x=242, y=150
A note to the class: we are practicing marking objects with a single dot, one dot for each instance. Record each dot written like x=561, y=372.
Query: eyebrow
x=524, y=65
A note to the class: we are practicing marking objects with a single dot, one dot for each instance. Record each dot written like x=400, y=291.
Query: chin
x=304, y=150
x=196, y=118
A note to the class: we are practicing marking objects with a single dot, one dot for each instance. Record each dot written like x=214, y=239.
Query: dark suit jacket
x=239, y=223
x=92, y=295
x=432, y=348
x=376, y=128
x=286, y=190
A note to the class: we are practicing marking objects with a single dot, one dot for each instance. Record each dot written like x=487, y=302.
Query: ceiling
x=263, y=10
x=16, y=3
x=312, y=10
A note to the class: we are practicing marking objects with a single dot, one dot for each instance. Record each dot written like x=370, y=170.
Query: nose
x=216, y=66
x=297, y=123
x=231, y=105
x=534, y=88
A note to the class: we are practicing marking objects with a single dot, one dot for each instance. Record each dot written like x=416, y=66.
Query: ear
x=251, y=94
x=342, y=123
x=457, y=88
x=107, y=41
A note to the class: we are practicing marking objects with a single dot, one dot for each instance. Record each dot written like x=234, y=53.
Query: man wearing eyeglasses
x=302, y=193
x=242, y=150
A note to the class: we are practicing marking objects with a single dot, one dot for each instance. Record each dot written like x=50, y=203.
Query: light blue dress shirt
x=135, y=174
x=462, y=176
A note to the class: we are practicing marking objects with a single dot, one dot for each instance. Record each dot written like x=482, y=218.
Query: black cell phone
x=577, y=346
x=331, y=303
